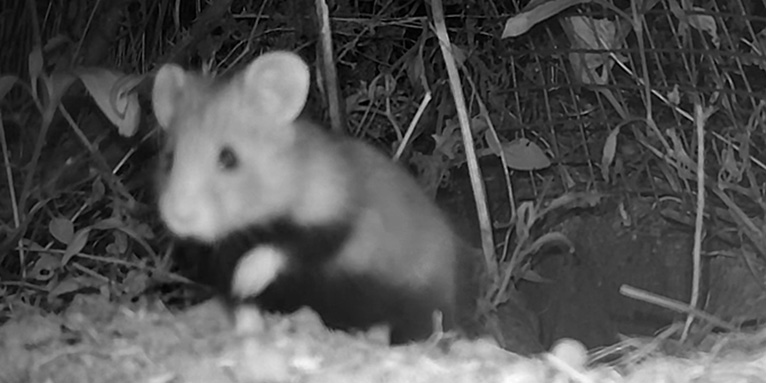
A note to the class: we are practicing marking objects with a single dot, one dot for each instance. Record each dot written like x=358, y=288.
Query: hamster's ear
x=168, y=88
x=277, y=85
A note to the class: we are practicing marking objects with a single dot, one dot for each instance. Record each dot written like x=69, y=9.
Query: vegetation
x=576, y=99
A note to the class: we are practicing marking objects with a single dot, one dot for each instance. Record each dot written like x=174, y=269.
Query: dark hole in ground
x=638, y=247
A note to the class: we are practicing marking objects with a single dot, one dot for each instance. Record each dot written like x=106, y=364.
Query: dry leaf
x=523, y=154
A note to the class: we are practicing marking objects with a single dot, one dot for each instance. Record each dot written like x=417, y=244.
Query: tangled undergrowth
x=575, y=100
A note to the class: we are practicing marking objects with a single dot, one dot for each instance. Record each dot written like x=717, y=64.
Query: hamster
x=284, y=214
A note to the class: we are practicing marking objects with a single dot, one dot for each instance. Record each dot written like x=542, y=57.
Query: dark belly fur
x=344, y=301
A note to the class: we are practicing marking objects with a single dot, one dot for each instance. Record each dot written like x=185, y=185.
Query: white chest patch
x=256, y=270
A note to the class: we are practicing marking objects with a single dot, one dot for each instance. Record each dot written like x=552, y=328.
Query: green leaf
x=44, y=267
x=532, y=276
x=76, y=246
x=6, y=83
x=35, y=63
x=607, y=155
x=551, y=238
x=574, y=200
x=62, y=229
x=534, y=13
x=66, y=286
x=108, y=223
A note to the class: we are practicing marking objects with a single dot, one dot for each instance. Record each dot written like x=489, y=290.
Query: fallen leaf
x=523, y=154
x=112, y=91
x=705, y=23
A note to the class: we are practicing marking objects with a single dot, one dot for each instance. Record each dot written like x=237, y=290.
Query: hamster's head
x=230, y=159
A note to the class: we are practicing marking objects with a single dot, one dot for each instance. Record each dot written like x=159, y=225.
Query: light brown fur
x=295, y=169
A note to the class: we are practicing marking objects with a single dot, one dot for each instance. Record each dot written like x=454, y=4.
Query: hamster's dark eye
x=227, y=159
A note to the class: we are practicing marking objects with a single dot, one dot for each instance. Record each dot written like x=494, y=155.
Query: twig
x=413, y=123
x=474, y=171
x=672, y=304
x=328, y=67
x=700, y=118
